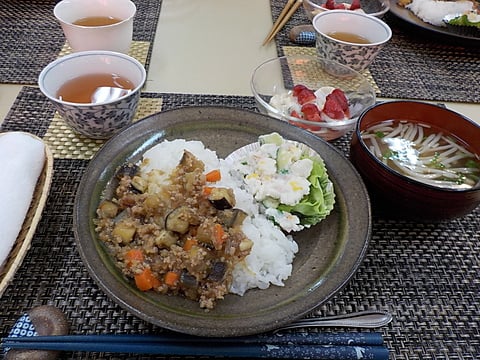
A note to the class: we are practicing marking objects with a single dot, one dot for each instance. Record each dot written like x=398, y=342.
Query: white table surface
x=209, y=47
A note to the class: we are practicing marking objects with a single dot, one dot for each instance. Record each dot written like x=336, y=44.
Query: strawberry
x=305, y=96
x=330, y=4
x=311, y=112
x=340, y=97
x=295, y=114
x=355, y=5
x=297, y=89
x=333, y=108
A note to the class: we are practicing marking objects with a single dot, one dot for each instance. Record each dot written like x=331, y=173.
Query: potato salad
x=289, y=180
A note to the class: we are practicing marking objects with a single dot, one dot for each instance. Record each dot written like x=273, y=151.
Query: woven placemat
x=425, y=274
x=310, y=51
x=67, y=144
x=32, y=37
x=413, y=64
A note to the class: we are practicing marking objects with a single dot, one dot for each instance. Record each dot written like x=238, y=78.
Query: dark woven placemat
x=425, y=274
x=414, y=64
x=31, y=37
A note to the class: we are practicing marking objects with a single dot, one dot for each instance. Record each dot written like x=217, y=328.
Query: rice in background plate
x=433, y=11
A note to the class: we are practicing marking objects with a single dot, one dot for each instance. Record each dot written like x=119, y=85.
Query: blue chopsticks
x=280, y=345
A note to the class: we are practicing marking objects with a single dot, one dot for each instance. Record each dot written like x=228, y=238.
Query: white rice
x=433, y=11
x=272, y=254
x=166, y=155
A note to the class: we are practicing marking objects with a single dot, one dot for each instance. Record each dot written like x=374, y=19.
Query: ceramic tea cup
x=97, y=24
x=104, y=115
x=349, y=37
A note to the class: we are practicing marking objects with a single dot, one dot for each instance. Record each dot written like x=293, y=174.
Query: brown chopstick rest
x=40, y=321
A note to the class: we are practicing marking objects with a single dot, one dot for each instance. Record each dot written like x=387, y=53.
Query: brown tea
x=97, y=21
x=349, y=37
x=94, y=88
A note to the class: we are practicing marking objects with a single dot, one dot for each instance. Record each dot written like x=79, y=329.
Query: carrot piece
x=193, y=231
x=207, y=190
x=132, y=256
x=171, y=278
x=213, y=176
x=219, y=234
x=189, y=243
x=156, y=282
x=146, y=280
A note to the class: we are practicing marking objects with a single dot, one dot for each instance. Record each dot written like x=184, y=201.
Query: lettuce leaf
x=318, y=204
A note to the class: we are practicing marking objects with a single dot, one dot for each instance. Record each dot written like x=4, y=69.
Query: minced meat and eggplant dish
x=185, y=237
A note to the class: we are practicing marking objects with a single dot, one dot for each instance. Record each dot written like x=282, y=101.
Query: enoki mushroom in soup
x=423, y=153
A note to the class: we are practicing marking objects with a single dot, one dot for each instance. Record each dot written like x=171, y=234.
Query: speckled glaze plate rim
x=450, y=31
x=329, y=253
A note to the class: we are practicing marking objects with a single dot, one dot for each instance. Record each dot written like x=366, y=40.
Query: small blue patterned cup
x=355, y=55
x=103, y=119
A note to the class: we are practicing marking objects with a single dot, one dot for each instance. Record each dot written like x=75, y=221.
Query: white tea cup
x=99, y=34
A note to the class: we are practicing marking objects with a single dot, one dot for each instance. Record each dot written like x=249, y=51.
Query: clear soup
x=423, y=153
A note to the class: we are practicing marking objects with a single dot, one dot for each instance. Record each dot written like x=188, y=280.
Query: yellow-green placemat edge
x=66, y=144
x=138, y=50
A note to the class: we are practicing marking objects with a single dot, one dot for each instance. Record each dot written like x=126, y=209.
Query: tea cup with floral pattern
x=110, y=108
x=349, y=37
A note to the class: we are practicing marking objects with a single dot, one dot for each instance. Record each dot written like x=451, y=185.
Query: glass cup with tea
x=97, y=24
x=349, y=37
x=95, y=92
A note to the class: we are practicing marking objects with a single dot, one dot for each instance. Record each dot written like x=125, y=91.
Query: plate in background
x=465, y=33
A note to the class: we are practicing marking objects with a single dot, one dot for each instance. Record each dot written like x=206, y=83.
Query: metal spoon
x=362, y=319
x=107, y=93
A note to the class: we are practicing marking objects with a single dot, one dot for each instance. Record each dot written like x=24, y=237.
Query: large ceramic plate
x=329, y=254
x=464, y=33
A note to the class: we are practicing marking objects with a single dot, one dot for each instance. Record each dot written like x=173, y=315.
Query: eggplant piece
x=178, y=220
x=219, y=268
x=245, y=244
x=124, y=230
x=188, y=280
x=205, y=234
x=152, y=203
x=166, y=239
x=107, y=209
x=139, y=184
x=190, y=163
x=222, y=198
x=128, y=169
x=121, y=215
x=231, y=218
x=189, y=180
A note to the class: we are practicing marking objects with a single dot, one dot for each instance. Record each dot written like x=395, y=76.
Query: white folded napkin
x=21, y=161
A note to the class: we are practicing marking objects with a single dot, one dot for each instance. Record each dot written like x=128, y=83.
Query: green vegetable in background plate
x=468, y=19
